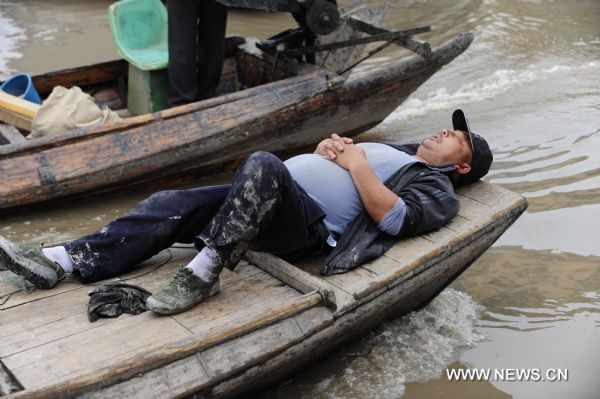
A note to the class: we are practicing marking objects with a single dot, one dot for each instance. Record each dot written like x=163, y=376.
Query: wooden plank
x=397, y=264
x=19, y=298
x=471, y=209
x=80, y=76
x=227, y=358
x=45, y=320
x=8, y=383
x=352, y=279
x=237, y=304
x=63, y=331
x=127, y=364
x=180, y=378
x=83, y=353
x=344, y=300
x=194, y=373
x=485, y=193
x=291, y=275
x=16, y=111
x=10, y=135
x=440, y=235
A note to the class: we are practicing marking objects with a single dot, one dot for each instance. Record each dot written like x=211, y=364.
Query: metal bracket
x=405, y=40
x=401, y=38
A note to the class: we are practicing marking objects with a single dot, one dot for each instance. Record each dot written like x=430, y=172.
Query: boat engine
x=319, y=17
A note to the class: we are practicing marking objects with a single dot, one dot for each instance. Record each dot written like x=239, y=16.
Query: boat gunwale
x=402, y=70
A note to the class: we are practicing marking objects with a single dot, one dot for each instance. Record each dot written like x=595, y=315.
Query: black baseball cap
x=482, y=155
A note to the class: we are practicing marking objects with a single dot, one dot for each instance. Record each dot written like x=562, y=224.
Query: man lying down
x=352, y=200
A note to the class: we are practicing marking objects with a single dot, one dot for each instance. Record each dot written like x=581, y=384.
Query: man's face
x=448, y=146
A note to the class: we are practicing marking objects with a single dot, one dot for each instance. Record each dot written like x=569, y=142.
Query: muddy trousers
x=263, y=208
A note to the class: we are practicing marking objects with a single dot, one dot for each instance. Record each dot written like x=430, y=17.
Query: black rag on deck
x=112, y=300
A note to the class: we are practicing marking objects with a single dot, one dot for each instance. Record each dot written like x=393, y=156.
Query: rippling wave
x=416, y=347
x=482, y=89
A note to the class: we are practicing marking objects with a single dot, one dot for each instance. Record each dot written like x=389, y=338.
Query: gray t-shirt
x=332, y=188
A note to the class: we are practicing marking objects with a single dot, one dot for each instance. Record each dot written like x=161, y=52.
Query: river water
x=531, y=84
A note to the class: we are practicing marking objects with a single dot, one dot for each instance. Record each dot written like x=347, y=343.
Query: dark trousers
x=196, y=49
x=263, y=207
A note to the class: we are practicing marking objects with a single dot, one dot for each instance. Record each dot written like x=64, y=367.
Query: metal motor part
x=320, y=17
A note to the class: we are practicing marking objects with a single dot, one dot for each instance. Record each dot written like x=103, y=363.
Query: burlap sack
x=68, y=109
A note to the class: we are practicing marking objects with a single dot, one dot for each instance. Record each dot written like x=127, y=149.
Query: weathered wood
x=17, y=111
x=406, y=258
x=80, y=76
x=401, y=299
x=291, y=275
x=223, y=352
x=269, y=303
x=287, y=114
x=197, y=372
x=10, y=135
x=8, y=384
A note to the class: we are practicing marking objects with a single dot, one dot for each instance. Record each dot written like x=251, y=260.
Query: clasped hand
x=341, y=150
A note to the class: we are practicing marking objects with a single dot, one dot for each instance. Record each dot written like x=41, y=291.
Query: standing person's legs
x=183, y=51
x=264, y=207
x=211, y=46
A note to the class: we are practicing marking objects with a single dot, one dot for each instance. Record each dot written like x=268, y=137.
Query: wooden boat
x=268, y=107
x=270, y=320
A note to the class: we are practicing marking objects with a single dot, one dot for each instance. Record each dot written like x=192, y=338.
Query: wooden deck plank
x=47, y=320
x=193, y=373
x=173, y=380
x=224, y=359
x=291, y=275
x=64, y=358
x=236, y=303
x=10, y=135
x=21, y=298
x=410, y=248
x=127, y=362
x=352, y=280
x=440, y=235
x=399, y=261
x=471, y=209
x=485, y=193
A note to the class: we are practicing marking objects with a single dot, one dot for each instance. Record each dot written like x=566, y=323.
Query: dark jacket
x=430, y=202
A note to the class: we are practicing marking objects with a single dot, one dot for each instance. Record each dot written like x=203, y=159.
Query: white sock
x=59, y=255
x=205, y=265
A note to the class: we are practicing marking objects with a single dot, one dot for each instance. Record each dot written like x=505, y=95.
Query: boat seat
x=139, y=30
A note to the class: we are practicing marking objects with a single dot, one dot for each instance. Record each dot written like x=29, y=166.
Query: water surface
x=531, y=85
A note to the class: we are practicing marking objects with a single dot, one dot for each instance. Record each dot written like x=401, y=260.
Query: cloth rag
x=68, y=109
x=112, y=300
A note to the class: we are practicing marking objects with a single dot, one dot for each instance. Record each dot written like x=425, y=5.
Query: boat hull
x=189, y=142
x=270, y=320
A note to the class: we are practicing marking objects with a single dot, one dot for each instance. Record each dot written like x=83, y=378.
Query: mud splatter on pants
x=263, y=208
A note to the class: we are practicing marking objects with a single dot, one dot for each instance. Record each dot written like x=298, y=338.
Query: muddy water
x=531, y=83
